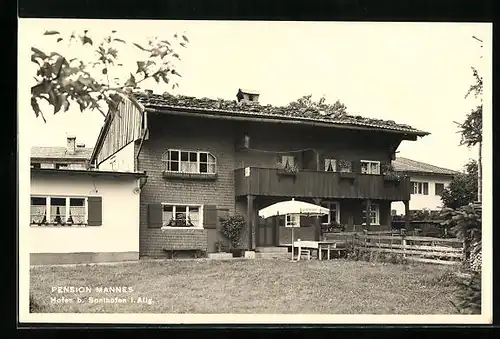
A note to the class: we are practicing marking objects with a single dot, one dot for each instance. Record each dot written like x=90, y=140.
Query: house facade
x=80, y=215
x=208, y=158
x=427, y=183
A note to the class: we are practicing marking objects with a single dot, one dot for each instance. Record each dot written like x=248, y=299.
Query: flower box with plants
x=287, y=169
x=390, y=174
x=345, y=169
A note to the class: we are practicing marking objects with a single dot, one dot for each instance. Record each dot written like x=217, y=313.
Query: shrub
x=231, y=228
x=469, y=295
x=34, y=305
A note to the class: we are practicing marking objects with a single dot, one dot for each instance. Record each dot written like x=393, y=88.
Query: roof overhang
x=427, y=174
x=252, y=116
x=93, y=173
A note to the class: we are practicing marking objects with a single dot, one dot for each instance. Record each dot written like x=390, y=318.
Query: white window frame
x=67, y=208
x=166, y=157
x=370, y=162
x=174, y=211
x=372, y=209
x=328, y=204
x=331, y=161
x=418, y=187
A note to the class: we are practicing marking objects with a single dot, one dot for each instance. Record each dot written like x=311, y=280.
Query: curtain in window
x=194, y=216
x=330, y=165
x=76, y=211
x=38, y=210
x=58, y=210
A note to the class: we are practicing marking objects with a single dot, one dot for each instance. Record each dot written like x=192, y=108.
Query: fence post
x=403, y=242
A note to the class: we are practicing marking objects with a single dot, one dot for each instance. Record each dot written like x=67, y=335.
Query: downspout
x=144, y=131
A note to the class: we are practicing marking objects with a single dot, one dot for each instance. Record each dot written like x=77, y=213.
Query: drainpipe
x=144, y=117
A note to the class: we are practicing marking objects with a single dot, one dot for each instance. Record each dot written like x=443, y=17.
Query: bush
x=231, y=228
x=34, y=305
x=469, y=295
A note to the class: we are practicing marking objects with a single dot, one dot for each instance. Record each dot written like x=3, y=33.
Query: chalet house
x=207, y=158
x=73, y=156
x=81, y=215
x=427, y=182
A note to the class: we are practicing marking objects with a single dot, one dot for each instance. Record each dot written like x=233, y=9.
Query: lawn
x=247, y=286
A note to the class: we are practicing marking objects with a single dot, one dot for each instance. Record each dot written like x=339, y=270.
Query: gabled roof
x=232, y=108
x=81, y=153
x=413, y=166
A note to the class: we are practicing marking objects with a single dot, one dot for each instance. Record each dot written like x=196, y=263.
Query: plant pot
x=237, y=252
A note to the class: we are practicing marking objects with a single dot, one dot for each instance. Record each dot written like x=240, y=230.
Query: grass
x=251, y=286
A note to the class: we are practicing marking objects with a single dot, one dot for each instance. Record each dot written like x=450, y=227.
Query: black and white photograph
x=221, y=171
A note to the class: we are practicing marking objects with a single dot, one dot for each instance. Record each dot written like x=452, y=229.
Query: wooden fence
x=447, y=251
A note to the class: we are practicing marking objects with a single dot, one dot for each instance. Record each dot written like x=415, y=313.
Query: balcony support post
x=317, y=222
x=407, y=214
x=368, y=213
x=250, y=220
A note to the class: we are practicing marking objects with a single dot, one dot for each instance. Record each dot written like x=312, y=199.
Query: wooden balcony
x=318, y=184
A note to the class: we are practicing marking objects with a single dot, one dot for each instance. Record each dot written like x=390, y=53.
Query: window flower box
x=187, y=175
x=287, y=169
x=347, y=175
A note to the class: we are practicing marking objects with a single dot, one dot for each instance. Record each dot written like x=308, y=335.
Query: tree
x=62, y=81
x=463, y=187
x=306, y=102
x=471, y=129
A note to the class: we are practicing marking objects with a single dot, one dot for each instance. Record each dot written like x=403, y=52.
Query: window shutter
x=94, y=211
x=155, y=216
x=210, y=216
x=356, y=166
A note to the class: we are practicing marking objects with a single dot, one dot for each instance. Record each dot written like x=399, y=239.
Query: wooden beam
x=367, y=213
x=407, y=214
x=250, y=219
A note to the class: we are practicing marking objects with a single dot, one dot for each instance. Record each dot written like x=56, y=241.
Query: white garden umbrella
x=293, y=207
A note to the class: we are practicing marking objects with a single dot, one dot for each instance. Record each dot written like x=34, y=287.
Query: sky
x=412, y=73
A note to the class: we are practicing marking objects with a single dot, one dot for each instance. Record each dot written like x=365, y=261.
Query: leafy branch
x=61, y=81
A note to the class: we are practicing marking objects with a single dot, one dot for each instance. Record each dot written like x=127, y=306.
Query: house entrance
x=266, y=232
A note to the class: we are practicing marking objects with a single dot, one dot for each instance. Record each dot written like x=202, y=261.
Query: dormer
x=247, y=96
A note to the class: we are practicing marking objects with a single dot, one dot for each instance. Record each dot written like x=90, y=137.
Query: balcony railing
x=319, y=184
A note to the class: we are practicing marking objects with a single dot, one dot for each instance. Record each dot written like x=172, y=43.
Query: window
x=334, y=215
x=330, y=165
x=439, y=188
x=189, y=161
x=182, y=216
x=292, y=220
x=370, y=167
x=288, y=160
x=58, y=210
x=421, y=188
x=62, y=166
x=374, y=214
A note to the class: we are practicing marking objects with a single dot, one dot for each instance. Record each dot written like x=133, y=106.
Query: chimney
x=247, y=96
x=71, y=145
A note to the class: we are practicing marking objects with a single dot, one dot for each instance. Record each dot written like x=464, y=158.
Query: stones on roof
x=232, y=107
x=408, y=165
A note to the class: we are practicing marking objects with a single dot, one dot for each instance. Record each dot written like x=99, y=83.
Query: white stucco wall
x=119, y=231
x=419, y=201
x=123, y=160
